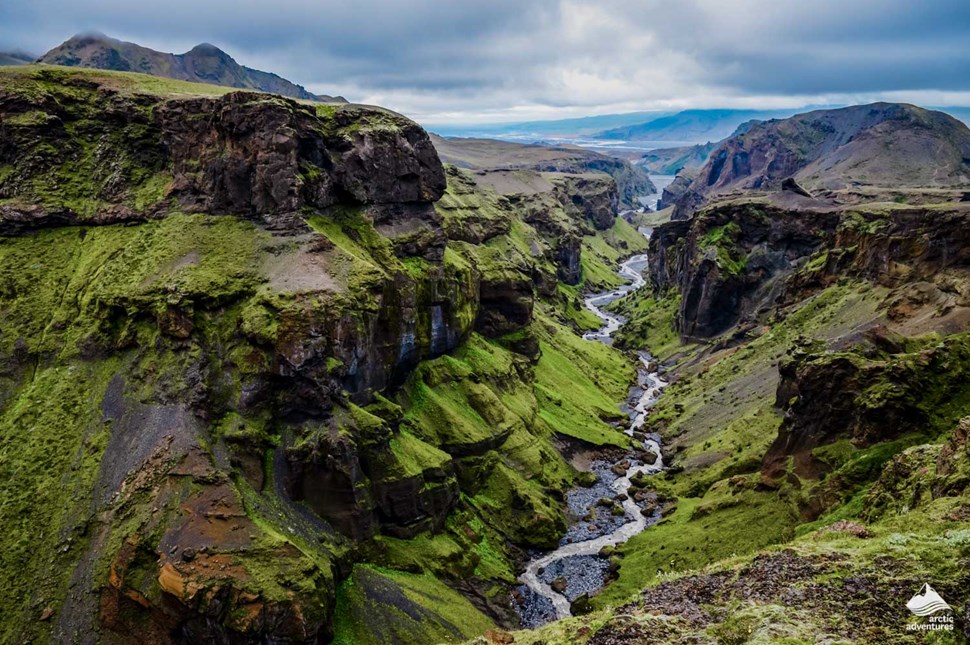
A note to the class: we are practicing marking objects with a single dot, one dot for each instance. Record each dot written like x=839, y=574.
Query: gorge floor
x=606, y=512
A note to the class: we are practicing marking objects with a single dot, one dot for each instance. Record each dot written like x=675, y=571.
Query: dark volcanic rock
x=243, y=154
x=674, y=191
x=846, y=396
x=728, y=260
x=732, y=261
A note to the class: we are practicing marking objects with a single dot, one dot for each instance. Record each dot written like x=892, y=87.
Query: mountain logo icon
x=926, y=602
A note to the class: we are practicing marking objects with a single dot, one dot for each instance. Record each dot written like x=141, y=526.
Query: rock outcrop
x=243, y=154
x=675, y=190
x=733, y=262
x=846, y=395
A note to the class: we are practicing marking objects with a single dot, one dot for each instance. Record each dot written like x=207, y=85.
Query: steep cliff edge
x=252, y=347
x=735, y=262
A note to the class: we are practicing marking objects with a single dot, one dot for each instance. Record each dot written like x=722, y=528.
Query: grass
x=719, y=525
x=650, y=323
x=38, y=81
x=579, y=384
x=720, y=411
x=52, y=440
x=376, y=605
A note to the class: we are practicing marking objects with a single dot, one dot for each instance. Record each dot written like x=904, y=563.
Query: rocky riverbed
x=616, y=506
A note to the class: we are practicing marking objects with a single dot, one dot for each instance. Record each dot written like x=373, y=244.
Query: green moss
x=598, y=260
x=62, y=288
x=720, y=235
x=416, y=456
x=579, y=385
x=383, y=606
x=723, y=241
x=572, y=309
x=52, y=438
x=519, y=508
x=650, y=323
x=29, y=119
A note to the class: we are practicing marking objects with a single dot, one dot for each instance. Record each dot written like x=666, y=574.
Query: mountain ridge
x=880, y=145
x=695, y=126
x=204, y=63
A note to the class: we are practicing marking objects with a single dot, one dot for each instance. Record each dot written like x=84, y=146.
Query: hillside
x=482, y=154
x=815, y=429
x=691, y=126
x=882, y=147
x=15, y=58
x=203, y=64
x=269, y=372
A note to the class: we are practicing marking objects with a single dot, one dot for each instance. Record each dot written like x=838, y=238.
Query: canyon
x=271, y=371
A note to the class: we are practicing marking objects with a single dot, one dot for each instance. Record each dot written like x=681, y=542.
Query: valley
x=278, y=367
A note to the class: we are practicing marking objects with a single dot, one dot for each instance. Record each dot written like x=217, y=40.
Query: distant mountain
x=489, y=154
x=537, y=130
x=15, y=58
x=204, y=64
x=697, y=126
x=671, y=161
x=888, y=145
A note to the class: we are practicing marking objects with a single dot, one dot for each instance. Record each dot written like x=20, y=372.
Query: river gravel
x=595, y=511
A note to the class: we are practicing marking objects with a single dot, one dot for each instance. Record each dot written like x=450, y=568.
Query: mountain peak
x=204, y=63
x=207, y=49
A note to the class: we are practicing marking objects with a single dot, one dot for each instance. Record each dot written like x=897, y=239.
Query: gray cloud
x=506, y=59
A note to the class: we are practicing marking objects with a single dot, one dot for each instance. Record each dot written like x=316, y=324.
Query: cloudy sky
x=472, y=61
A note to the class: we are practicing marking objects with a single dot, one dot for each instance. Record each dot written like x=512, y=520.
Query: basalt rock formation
x=734, y=262
x=244, y=154
x=865, y=400
x=675, y=190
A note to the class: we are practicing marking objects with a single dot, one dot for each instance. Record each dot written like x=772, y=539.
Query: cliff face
x=126, y=158
x=885, y=389
x=244, y=350
x=732, y=262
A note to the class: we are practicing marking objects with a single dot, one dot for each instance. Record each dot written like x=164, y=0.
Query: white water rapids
x=650, y=387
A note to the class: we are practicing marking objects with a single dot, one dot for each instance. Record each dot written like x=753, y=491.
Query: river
x=661, y=182
x=577, y=560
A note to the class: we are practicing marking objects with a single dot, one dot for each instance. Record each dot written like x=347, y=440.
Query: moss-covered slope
x=243, y=354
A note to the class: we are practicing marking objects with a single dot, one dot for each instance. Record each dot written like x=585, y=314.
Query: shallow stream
x=577, y=562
